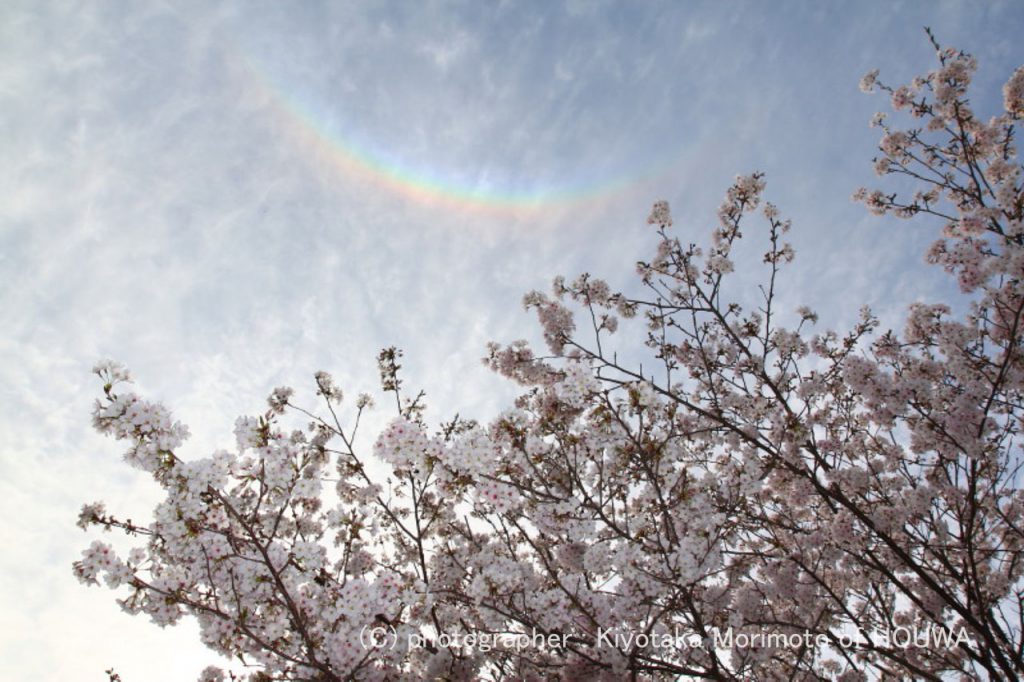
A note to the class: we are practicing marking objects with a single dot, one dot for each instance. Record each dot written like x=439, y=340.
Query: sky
x=228, y=197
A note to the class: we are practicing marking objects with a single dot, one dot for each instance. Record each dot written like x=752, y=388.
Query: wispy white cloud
x=162, y=202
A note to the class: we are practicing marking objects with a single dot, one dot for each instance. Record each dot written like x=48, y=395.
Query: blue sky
x=228, y=197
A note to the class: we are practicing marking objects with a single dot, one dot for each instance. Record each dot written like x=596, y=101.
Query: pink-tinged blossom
x=867, y=83
x=578, y=384
x=1013, y=93
x=894, y=144
x=278, y=399
x=660, y=215
x=719, y=264
x=211, y=674
x=499, y=496
x=112, y=373
x=98, y=558
x=876, y=201
x=403, y=445
x=326, y=387
x=902, y=97
x=642, y=395
x=555, y=319
x=247, y=433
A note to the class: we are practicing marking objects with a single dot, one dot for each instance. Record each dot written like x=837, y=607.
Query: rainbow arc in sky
x=329, y=144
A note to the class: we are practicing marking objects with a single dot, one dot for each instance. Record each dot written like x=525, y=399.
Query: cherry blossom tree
x=743, y=498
